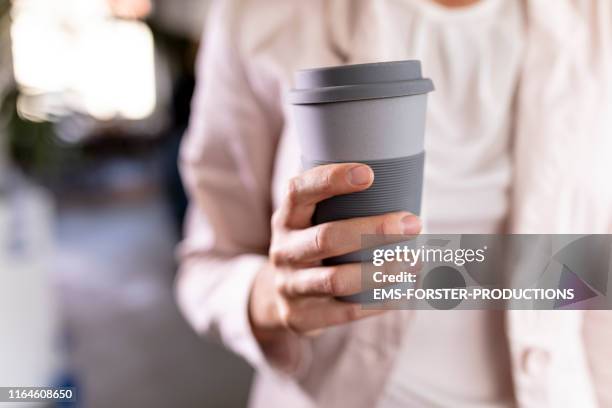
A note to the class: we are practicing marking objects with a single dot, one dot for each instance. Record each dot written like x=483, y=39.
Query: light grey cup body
x=371, y=129
x=366, y=113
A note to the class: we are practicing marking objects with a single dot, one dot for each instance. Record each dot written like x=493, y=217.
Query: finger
x=340, y=280
x=308, y=315
x=318, y=184
x=343, y=237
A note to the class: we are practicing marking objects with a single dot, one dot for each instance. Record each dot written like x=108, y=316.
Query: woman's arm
x=226, y=162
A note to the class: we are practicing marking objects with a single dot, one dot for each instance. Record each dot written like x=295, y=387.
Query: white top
x=474, y=55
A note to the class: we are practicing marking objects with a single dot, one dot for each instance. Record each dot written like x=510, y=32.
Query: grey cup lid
x=358, y=82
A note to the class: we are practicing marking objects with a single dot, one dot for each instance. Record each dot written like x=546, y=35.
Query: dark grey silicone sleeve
x=398, y=186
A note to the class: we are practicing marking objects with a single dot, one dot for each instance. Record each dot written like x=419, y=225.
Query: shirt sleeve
x=226, y=162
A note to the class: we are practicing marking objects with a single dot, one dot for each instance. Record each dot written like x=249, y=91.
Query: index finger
x=318, y=184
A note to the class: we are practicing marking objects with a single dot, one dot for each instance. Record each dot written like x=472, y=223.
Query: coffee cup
x=366, y=113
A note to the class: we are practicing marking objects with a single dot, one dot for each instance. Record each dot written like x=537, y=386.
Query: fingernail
x=411, y=225
x=360, y=175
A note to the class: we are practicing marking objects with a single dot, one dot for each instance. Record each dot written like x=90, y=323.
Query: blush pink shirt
x=519, y=134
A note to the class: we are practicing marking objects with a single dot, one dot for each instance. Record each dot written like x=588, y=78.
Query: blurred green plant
x=33, y=146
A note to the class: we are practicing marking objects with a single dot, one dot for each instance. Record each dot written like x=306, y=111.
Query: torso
x=473, y=56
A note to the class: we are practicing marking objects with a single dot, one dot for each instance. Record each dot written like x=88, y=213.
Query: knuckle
x=334, y=180
x=277, y=255
x=327, y=180
x=293, y=191
x=351, y=313
x=324, y=238
x=288, y=317
x=277, y=220
x=330, y=283
x=280, y=283
x=382, y=228
x=284, y=313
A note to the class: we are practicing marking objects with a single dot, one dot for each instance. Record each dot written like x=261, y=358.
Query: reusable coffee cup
x=366, y=113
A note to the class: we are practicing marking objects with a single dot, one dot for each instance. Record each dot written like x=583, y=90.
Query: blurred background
x=94, y=99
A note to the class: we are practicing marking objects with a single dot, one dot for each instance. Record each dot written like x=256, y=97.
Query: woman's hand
x=294, y=293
